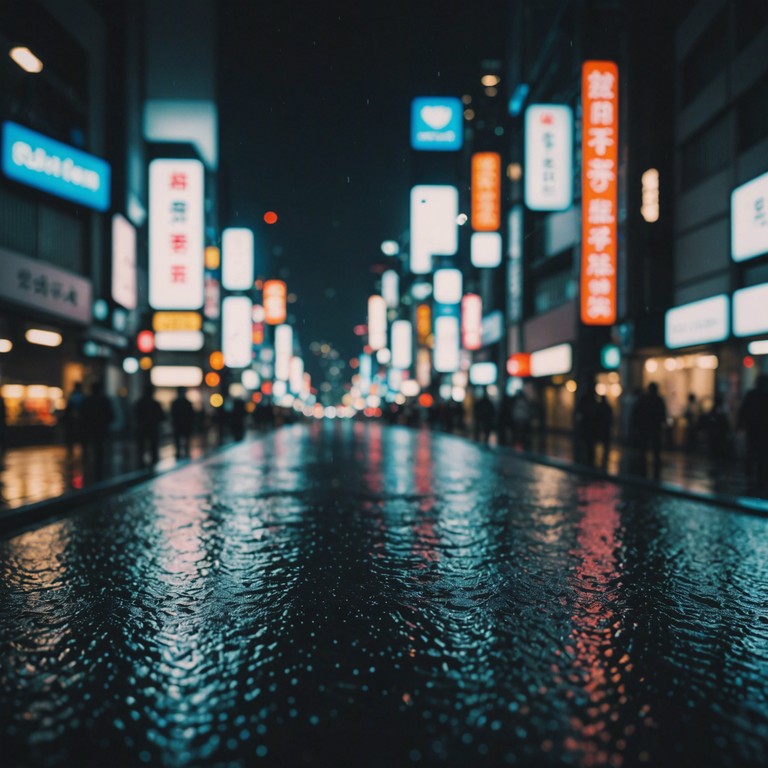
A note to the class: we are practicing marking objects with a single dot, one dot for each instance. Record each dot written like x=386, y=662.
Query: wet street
x=350, y=594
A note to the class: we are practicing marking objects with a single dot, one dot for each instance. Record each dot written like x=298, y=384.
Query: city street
x=353, y=594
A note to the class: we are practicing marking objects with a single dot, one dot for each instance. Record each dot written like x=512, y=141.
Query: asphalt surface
x=351, y=594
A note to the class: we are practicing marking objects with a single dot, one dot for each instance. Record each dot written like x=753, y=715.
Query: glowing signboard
x=447, y=350
x=124, y=288
x=750, y=310
x=749, y=219
x=519, y=364
x=486, y=191
x=60, y=170
x=600, y=142
x=237, y=259
x=177, y=321
x=434, y=227
x=275, y=295
x=402, y=344
x=548, y=157
x=482, y=374
x=176, y=223
x=552, y=361
x=377, y=322
x=390, y=288
x=699, y=322
x=437, y=123
x=485, y=249
x=283, y=351
x=447, y=287
x=471, y=321
x=236, y=331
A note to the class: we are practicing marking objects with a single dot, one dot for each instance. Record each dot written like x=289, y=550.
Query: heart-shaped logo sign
x=436, y=117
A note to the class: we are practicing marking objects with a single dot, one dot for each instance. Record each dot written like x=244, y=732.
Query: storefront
x=43, y=310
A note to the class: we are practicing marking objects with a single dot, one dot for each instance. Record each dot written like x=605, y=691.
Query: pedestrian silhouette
x=753, y=420
x=73, y=418
x=484, y=414
x=718, y=431
x=603, y=429
x=182, y=418
x=237, y=418
x=585, y=424
x=148, y=416
x=649, y=417
x=522, y=414
x=97, y=417
x=691, y=416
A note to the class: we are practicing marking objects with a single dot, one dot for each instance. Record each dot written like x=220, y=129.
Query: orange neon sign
x=600, y=143
x=275, y=297
x=423, y=324
x=486, y=191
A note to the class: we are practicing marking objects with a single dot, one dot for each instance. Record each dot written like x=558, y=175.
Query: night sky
x=314, y=124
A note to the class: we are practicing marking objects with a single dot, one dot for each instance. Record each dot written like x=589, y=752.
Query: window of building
x=707, y=58
x=552, y=291
x=705, y=153
x=752, y=115
x=751, y=20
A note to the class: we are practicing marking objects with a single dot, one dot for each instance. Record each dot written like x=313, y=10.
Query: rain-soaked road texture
x=357, y=595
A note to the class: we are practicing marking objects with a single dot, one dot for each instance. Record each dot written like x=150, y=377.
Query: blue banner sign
x=58, y=169
x=437, y=123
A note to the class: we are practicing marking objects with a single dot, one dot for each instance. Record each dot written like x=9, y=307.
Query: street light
x=26, y=59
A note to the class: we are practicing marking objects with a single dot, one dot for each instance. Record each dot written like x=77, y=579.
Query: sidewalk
x=33, y=474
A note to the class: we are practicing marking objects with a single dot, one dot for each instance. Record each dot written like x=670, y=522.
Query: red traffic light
x=270, y=217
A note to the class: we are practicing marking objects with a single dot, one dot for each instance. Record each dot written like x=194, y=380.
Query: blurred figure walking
x=753, y=420
x=97, y=417
x=148, y=416
x=182, y=418
x=649, y=417
x=73, y=418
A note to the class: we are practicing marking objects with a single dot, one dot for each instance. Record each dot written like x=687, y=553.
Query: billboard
x=448, y=286
x=377, y=322
x=600, y=142
x=237, y=259
x=275, y=295
x=437, y=123
x=447, y=349
x=434, y=226
x=176, y=226
x=749, y=219
x=58, y=169
x=236, y=331
x=485, y=249
x=750, y=310
x=472, y=321
x=699, y=322
x=124, y=288
x=548, y=157
x=402, y=344
x=486, y=192
x=283, y=351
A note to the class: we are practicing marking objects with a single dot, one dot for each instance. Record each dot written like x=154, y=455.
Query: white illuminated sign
x=699, y=322
x=750, y=310
x=402, y=344
x=295, y=374
x=390, y=288
x=472, y=321
x=186, y=341
x=377, y=322
x=552, y=361
x=176, y=223
x=283, y=351
x=236, y=331
x=448, y=286
x=447, y=350
x=548, y=157
x=237, y=259
x=176, y=376
x=482, y=374
x=650, y=190
x=485, y=249
x=124, y=289
x=749, y=219
x=434, y=229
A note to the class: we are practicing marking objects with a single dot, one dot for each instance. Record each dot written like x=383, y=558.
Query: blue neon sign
x=437, y=123
x=58, y=169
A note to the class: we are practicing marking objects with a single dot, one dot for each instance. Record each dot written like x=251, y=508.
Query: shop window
x=706, y=153
x=752, y=115
x=552, y=291
x=707, y=58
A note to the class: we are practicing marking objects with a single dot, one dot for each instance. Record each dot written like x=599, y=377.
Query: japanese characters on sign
x=176, y=225
x=600, y=140
x=486, y=191
x=275, y=294
x=548, y=157
x=749, y=219
x=34, y=283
